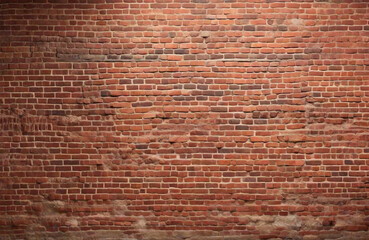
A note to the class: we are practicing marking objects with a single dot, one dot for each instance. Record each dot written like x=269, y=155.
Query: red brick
x=184, y=120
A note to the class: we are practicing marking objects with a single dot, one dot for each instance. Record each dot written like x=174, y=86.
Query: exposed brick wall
x=184, y=119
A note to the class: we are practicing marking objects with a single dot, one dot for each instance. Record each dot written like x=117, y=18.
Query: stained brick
x=198, y=119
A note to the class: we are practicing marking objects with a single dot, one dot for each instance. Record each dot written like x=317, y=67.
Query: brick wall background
x=184, y=119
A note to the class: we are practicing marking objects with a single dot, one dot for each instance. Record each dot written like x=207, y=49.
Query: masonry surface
x=184, y=119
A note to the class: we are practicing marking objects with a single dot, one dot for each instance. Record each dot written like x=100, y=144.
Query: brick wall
x=184, y=119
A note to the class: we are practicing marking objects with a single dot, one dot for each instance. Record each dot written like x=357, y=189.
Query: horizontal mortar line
x=146, y=60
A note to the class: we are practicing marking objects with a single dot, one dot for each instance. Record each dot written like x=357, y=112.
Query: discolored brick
x=173, y=120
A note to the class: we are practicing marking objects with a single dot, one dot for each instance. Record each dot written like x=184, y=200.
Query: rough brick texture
x=184, y=119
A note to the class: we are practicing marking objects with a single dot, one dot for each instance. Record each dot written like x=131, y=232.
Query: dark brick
x=249, y=28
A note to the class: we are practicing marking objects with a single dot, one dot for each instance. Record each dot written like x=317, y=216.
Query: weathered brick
x=178, y=120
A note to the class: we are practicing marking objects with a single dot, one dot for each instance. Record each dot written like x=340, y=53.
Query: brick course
x=184, y=119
